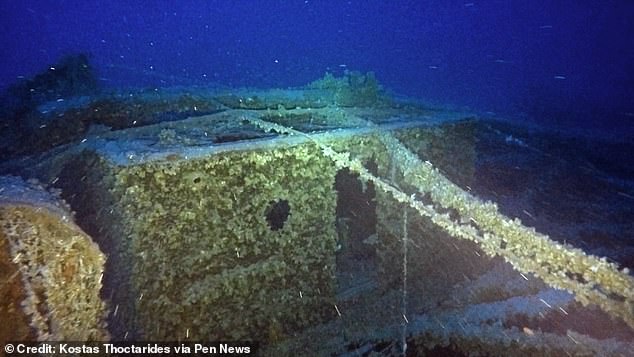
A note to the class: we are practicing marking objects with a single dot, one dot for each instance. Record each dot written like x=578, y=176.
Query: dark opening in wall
x=356, y=202
x=356, y=227
x=277, y=213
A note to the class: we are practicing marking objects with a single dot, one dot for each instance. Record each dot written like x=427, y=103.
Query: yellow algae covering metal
x=214, y=250
x=216, y=246
x=57, y=271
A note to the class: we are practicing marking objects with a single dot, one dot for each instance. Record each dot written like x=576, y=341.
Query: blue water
x=563, y=63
